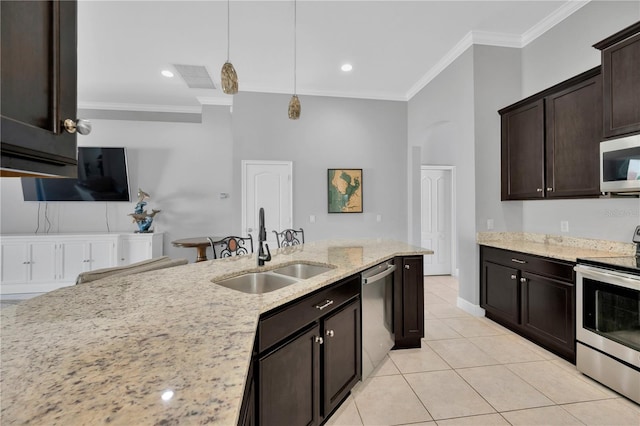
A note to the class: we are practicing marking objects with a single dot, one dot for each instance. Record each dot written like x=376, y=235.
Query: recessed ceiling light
x=346, y=67
x=167, y=73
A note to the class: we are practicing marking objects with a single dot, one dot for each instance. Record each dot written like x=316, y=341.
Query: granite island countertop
x=108, y=351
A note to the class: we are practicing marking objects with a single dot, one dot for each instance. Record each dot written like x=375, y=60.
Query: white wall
x=562, y=52
x=185, y=167
x=173, y=162
x=441, y=129
x=331, y=133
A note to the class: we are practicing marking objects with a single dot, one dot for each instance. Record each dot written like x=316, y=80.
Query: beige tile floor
x=472, y=371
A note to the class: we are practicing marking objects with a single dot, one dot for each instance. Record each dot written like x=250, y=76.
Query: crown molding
x=499, y=40
x=553, y=19
x=369, y=95
x=227, y=100
x=140, y=107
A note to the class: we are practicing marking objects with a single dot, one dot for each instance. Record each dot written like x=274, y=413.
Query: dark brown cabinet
x=38, y=79
x=550, y=141
x=409, y=302
x=289, y=381
x=621, y=81
x=342, y=355
x=523, y=151
x=309, y=356
x=572, y=142
x=532, y=295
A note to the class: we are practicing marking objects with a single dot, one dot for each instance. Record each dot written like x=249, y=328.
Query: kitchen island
x=163, y=347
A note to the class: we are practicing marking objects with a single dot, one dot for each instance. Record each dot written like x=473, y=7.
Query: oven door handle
x=619, y=278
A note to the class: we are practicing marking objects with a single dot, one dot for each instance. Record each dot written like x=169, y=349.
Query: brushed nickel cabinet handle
x=319, y=340
x=407, y=267
x=538, y=189
x=513, y=277
x=326, y=303
x=81, y=126
x=523, y=280
x=550, y=189
x=519, y=261
x=330, y=333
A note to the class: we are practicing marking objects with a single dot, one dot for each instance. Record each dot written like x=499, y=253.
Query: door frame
x=454, y=233
x=244, y=164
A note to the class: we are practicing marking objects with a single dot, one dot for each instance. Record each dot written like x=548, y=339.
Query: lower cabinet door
x=289, y=382
x=500, y=291
x=342, y=355
x=548, y=313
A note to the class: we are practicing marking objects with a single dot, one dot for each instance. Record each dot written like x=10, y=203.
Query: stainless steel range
x=608, y=321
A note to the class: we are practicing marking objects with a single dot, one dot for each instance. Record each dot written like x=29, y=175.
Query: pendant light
x=294, y=103
x=228, y=76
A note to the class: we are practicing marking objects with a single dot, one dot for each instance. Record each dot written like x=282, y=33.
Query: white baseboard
x=469, y=307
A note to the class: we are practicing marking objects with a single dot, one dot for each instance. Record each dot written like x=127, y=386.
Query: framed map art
x=345, y=190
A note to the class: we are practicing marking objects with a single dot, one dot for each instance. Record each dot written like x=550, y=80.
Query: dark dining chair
x=231, y=246
x=289, y=237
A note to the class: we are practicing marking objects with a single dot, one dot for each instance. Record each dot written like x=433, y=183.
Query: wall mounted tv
x=102, y=176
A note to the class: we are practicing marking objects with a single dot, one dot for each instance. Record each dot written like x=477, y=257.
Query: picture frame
x=344, y=191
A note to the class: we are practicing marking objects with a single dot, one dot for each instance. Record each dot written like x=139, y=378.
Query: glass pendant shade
x=294, y=107
x=229, y=79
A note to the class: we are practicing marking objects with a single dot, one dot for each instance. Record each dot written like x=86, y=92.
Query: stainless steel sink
x=257, y=282
x=302, y=271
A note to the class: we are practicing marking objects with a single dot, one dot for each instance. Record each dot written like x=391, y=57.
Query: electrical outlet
x=564, y=226
x=489, y=224
x=312, y=218
x=379, y=218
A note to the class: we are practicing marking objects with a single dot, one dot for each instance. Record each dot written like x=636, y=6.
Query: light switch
x=489, y=223
x=379, y=218
x=312, y=218
x=564, y=226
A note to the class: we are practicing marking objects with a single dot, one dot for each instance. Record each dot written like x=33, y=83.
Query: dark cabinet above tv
x=39, y=92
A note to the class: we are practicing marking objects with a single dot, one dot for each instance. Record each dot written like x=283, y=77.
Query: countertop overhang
x=162, y=347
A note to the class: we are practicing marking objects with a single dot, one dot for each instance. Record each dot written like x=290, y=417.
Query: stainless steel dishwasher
x=377, y=315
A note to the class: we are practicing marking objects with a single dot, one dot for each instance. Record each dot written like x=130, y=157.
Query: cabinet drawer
x=276, y=325
x=552, y=268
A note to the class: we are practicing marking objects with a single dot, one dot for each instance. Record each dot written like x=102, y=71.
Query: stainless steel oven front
x=608, y=328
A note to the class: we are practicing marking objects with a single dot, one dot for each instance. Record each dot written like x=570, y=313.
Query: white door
x=42, y=258
x=436, y=193
x=15, y=258
x=266, y=184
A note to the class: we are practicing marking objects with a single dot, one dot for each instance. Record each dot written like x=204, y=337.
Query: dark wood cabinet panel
x=342, y=355
x=548, y=312
x=523, y=152
x=38, y=79
x=550, y=141
x=409, y=302
x=532, y=295
x=501, y=291
x=621, y=82
x=289, y=382
x=573, y=135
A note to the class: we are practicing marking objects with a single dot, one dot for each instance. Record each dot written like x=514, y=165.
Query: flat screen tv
x=102, y=176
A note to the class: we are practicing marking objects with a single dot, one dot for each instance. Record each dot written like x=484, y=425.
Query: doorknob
x=82, y=126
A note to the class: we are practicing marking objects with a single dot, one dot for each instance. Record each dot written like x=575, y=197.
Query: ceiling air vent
x=196, y=76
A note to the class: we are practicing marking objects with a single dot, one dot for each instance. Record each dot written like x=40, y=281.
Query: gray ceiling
x=395, y=47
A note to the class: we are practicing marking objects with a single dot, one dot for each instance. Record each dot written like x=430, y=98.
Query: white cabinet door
x=14, y=263
x=42, y=262
x=101, y=254
x=72, y=259
x=138, y=247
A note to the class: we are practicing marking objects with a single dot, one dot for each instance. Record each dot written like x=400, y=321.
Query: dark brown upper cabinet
x=621, y=82
x=550, y=141
x=39, y=88
x=572, y=144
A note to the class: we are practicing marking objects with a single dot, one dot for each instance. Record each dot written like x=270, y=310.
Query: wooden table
x=200, y=243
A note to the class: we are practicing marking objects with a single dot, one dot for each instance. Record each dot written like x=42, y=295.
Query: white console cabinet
x=41, y=263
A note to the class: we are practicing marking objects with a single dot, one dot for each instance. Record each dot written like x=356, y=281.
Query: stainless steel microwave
x=620, y=165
